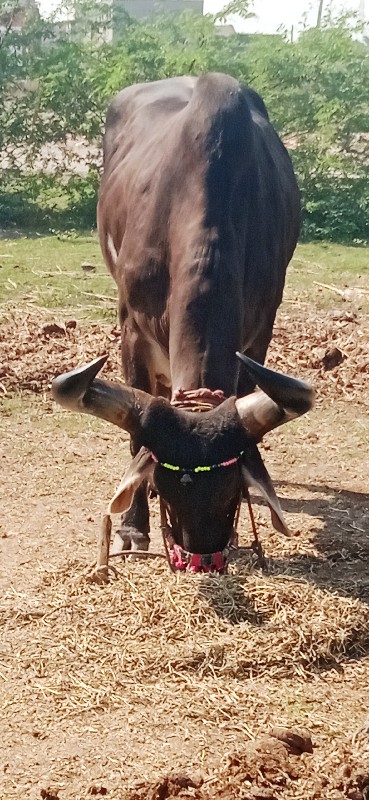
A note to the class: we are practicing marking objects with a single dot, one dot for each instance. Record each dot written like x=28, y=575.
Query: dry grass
x=50, y=342
x=85, y=647
x=214, y=652
x=155, y=672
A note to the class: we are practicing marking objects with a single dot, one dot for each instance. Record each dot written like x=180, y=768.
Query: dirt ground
x=107, y=691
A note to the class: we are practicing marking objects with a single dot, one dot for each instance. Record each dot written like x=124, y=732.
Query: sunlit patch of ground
x=102, y=688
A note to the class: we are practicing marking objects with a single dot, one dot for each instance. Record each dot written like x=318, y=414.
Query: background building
x=14, y=16
x=147, y=8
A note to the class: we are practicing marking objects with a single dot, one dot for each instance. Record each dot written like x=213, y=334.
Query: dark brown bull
x=198, y=218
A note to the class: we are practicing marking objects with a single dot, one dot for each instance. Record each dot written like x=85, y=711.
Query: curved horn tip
x=72, y=385
x=292, y=394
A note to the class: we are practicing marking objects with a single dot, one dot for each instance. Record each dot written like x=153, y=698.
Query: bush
x=337, y=210
x=43, y=203
x=316, y=90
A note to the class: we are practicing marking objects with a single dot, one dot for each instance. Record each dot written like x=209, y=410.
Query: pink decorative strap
x=183, y=561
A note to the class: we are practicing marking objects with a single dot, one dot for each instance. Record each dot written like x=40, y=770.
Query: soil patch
x=160, y=686
x=265, y=770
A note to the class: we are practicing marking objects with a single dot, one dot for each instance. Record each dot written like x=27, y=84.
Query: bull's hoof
x=121, y=542
x=129, y=539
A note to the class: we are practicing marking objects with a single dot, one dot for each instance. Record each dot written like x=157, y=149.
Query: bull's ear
x=256, y=475
x=140, y=469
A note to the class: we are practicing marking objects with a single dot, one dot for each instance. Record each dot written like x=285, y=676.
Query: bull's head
x=198, y=462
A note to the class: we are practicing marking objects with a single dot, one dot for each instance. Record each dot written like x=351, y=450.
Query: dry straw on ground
x=336, y=359
x=219, y=658
x=150, y=638
x=83, y=647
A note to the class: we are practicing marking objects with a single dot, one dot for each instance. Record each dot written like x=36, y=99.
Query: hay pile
x=79, y=647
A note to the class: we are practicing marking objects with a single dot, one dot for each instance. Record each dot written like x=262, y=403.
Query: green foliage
x=323, y=79
x=335, y=191
x=48, y=202
x=317, y=94
x=166, y=46
x=241, y=8
x=56, y=80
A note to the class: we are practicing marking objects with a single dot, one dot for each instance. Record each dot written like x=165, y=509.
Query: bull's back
x=139, y=126
x=184, y=157
x=161, y=149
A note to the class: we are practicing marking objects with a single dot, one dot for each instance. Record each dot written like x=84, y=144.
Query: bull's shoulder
x=118, y=105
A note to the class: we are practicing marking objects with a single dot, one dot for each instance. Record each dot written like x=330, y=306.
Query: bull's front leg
x=133, y=533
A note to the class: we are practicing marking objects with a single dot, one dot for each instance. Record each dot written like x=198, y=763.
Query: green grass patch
x=339, y=266
x=47, y=271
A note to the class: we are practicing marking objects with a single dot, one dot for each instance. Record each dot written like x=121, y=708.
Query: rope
x=166, y=528
x=256, y=546
x=201, y=400
x=139, y=553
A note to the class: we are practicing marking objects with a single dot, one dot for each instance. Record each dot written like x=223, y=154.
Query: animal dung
x=87, y=267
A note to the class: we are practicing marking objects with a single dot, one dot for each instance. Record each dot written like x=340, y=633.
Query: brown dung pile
x=267, y=769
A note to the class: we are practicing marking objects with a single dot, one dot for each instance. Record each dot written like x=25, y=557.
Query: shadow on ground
x=342, y=541
x=336, y=562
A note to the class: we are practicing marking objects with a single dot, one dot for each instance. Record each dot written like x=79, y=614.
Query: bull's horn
x=80, y=390
x=282, y=398
x=69, y=389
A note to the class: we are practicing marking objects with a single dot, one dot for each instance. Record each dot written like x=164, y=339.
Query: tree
x=56, y=81
x=239, y=8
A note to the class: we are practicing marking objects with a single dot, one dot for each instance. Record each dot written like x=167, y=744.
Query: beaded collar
x=175, y=468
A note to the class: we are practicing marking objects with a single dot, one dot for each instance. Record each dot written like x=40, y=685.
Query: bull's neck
x=206, y=317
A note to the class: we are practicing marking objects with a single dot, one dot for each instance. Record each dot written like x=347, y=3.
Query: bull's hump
x=158, y=96
x=208, y=94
